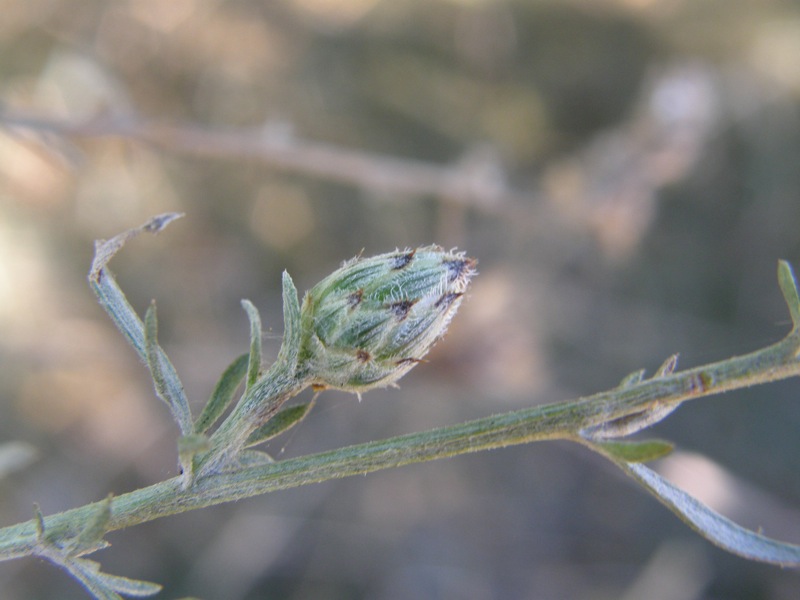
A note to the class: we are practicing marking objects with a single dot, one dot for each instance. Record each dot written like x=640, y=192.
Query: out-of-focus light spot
x=15, y=456
x=21, y=278
x=29, y=174
x=776, y=52
x=78, y=87
x=282, y=215
x=736, y=498
x=702, y=478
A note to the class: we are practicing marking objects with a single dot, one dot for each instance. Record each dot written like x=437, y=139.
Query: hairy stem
x=555, y=421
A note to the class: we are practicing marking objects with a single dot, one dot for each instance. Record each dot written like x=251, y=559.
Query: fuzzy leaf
x=91, y=536
x=39, y=518
x=632, y=379
x=116, y=305
x=87, y=571
x=788, y=284
x=634, y=451
x=129, y=587
x=711, y=525
x=168, y=386
x=254, y=458
x=667, y=367
x=223, y=393
x=106, y=587
x=629, y=424
x=290, y=346
x=285, y=419
x=254, y=364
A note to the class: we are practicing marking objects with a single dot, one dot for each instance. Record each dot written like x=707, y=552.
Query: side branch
x=384, y=174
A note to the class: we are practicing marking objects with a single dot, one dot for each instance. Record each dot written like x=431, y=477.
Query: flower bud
x=372, y=320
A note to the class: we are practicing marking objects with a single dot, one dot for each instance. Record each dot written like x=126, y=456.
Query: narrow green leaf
x=223, y=393
x=631, y=379
x=168, y=386
x=254, y=458
x=667, y=367
x=629, y=424
x=711, y=525
x=129, y=587
x=104, y=586
x=254, y=365
x=87, y=572
x=95, y=528
x=116, y=305
x=791, y=295
x=290, y=346
x=634, y=451
x=39, y=518
x=285, y=419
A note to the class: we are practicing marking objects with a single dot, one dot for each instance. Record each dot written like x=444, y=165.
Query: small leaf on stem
x=108, y=587
x=632, y=379
x=633, y=451
x=285, y=419
x=223, y=393
x=667, y=367
x=290, y=346
x=39, y=518
x=254, y=365
x=95, y=528
x=711, y=525
x=161, y=369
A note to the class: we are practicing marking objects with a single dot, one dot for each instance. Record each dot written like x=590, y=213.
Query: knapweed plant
x=362, y=327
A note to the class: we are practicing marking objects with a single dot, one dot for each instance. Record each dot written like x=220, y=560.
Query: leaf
x=290, y=345
x=629, y=424
x=91, y=535
x=104, y=250
x=667, y=367
x=39, y=518
x=634, y=451
x=788, y=284
x=129, y=587
x=632, y=379
x=104, y=586
x=254, y=365
x=116, y=305
x=168, y=386
x=254, y=458
x=285, y=419
x=223, y=393
x=711, y=525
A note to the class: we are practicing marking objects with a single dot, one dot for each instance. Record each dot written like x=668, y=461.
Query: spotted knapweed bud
x=372, y=320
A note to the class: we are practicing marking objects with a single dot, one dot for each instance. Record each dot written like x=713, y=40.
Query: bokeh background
x=627, y=172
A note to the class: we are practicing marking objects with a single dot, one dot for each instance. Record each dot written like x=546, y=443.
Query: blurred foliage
x=646, y=156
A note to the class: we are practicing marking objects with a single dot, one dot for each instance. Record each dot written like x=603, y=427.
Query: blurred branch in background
x=608, y=188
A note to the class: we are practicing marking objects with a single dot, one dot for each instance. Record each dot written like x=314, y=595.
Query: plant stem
x=259, y=404
x=555, y=421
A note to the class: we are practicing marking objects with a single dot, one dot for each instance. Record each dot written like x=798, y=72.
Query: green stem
x=259, y=404
x=555, y=421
